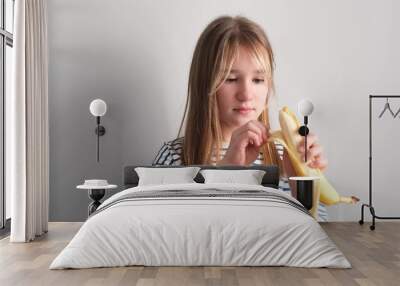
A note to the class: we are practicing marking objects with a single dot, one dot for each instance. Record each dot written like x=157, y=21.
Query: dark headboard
x=270, y=179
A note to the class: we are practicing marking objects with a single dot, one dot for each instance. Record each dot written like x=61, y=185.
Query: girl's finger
x=319, y=163
x=251, y=126
x=257, y=126
x=314, y=151
x=263, y=129
x=311, y=140
x=250, y=137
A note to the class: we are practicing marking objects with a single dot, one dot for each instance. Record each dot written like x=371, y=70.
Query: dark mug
x=304, y=186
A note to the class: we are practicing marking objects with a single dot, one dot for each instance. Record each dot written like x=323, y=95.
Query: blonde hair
x=212, y=61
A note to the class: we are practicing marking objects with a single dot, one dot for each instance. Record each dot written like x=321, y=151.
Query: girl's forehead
x=247, y=59
x=250, y=65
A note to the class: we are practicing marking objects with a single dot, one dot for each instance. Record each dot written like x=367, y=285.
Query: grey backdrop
x=136, y=56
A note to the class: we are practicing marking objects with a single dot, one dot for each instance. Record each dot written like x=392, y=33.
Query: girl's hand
x=245, y=144
x=315, y=157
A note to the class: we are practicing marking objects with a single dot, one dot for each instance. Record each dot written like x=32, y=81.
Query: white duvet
x=227, y=231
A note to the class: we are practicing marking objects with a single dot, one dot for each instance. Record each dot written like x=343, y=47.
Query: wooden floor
x=374, y=255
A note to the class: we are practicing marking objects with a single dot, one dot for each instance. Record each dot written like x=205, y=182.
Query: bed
x=201, y=224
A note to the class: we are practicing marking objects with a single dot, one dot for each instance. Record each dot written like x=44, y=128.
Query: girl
x=226, y=112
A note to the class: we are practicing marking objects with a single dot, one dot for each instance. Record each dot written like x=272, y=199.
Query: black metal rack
x=370, y=205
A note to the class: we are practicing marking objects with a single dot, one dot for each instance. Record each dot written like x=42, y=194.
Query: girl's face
x=242, y=97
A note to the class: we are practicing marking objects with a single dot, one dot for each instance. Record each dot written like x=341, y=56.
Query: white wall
x=136, y=56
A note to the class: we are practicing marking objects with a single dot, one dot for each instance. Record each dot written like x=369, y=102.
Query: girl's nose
x=245, y=91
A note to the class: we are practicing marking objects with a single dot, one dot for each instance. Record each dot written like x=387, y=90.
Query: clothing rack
x=370, y=205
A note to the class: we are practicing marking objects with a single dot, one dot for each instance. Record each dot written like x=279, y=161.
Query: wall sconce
x=305, y=185
x=98, y=108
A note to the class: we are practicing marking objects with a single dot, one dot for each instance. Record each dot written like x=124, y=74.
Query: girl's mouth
x=243, y=111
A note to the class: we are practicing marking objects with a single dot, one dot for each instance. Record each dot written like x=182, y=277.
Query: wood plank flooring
x=374, y=255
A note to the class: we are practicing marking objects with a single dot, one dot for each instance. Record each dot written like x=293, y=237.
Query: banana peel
x=289, y=137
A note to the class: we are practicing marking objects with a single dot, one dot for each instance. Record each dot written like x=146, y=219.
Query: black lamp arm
x=100, y=131
x=303, y=131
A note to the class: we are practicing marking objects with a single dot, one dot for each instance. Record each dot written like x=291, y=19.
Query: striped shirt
x=170, y=154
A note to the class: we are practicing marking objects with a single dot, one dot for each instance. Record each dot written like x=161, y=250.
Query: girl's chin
x=242, y=120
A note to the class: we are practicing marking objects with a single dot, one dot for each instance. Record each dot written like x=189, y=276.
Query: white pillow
x=161, y=176
x=249, y=177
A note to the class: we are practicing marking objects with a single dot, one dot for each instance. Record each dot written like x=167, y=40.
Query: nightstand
x=96, y=190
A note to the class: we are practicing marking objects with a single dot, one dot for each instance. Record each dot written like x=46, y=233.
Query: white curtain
x=27, y=139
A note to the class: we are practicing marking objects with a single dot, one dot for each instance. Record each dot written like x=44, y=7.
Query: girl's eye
x=256, y=80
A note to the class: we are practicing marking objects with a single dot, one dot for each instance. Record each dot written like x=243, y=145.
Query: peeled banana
x=289, y=137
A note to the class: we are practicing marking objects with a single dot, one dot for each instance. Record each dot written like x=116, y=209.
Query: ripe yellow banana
x=289, y=137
